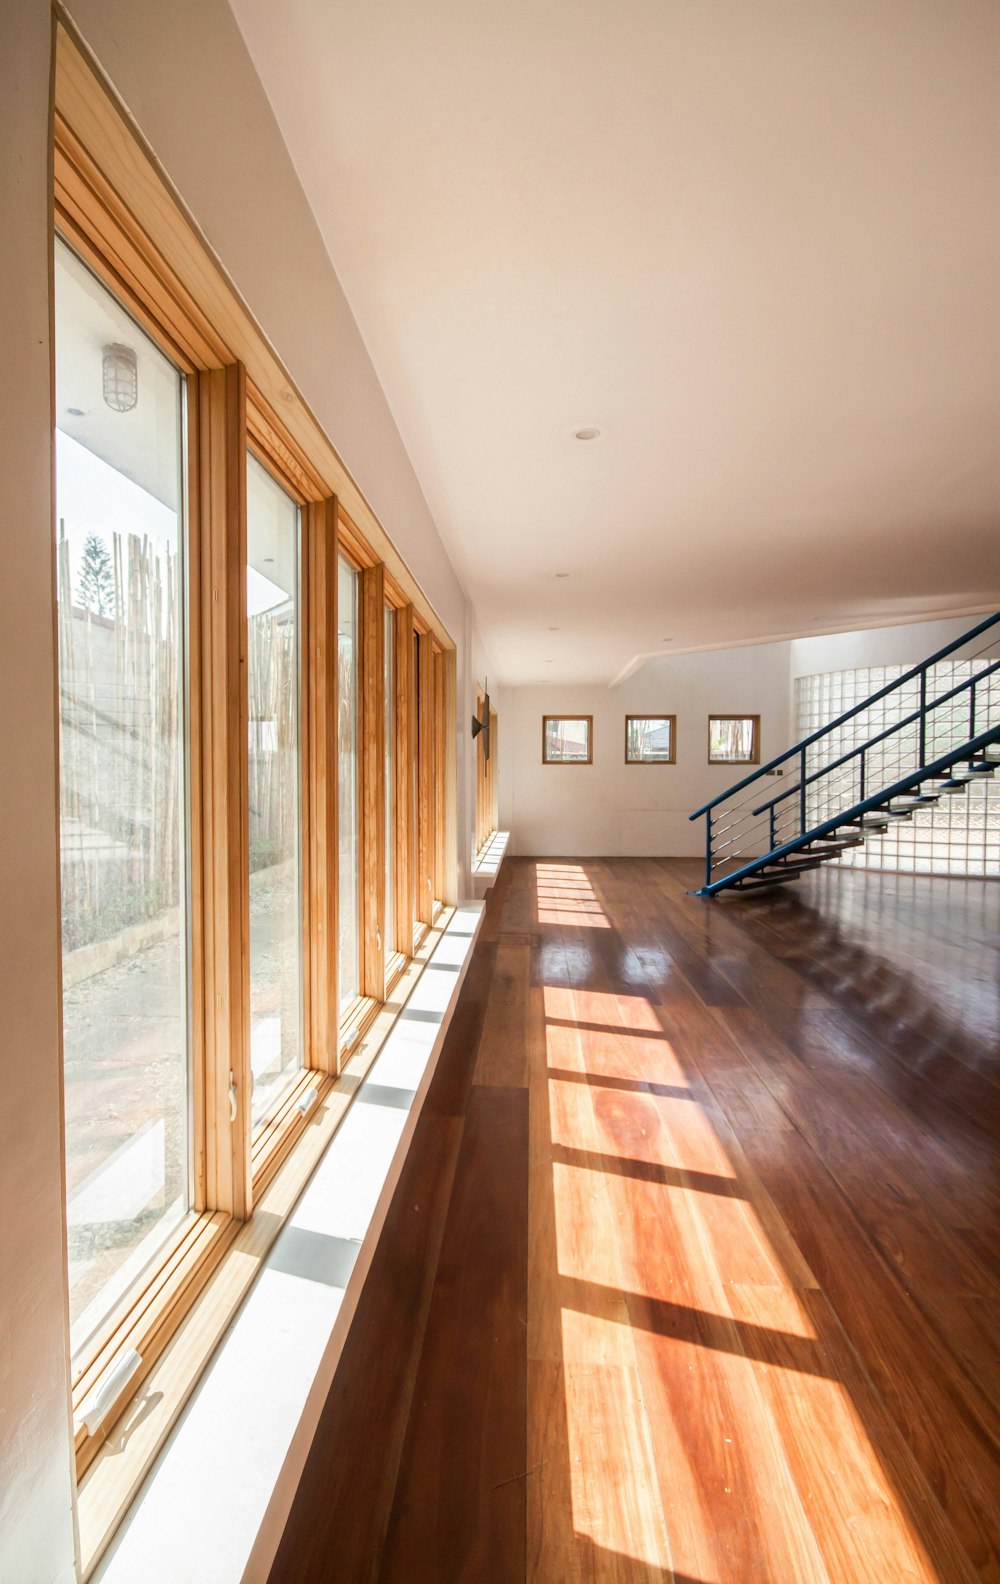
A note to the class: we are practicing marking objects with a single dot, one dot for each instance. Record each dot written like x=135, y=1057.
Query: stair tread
x=883, y=808
x=782, y=865
x=756, y=882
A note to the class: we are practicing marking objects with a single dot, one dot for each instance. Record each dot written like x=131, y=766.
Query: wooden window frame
x=755, y=746
x=590, y=740
x=426, y=756
x=115, y=208
x=354, y=1019
x=673, y=740
x=493, y=780
x=394, y=960
x=487, y=800
x=277, y=453
x=148, y=1313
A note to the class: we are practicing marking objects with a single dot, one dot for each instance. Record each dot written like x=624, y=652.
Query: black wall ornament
x=482, y=727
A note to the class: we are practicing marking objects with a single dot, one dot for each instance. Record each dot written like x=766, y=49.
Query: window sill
x=280, y=1132
x=488, y=860
x=250, y=1419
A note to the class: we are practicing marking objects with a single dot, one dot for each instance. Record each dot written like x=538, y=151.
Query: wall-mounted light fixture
x=121, y=377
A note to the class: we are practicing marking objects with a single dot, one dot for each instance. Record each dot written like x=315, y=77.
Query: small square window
x=734, y=739
x=650, y=739
x=567, y=739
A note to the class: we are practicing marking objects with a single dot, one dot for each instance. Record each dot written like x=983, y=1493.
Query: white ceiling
x=757, y=244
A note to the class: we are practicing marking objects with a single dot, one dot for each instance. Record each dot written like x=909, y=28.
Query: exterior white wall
x=610, y=808
x=36, y=1514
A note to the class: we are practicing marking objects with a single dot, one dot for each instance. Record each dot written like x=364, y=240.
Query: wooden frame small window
x=567, y=739
x=734, y=739
x=650, y=739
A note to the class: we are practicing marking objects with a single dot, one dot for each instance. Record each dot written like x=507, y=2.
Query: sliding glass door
x=275, y=823
x=120, y=555
x=389, y=682
x=349, y=920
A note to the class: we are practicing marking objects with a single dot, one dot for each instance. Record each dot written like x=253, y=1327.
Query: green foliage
x=96, y=588
x=130, y=904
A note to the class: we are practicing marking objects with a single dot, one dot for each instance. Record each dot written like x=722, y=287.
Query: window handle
x=232, y=1096
x=378, y=940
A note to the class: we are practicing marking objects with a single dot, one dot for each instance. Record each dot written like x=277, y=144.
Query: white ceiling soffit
x=755, y=245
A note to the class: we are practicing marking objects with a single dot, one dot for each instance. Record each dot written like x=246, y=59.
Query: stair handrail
x=965, y=686
x=856, y=709
x=864, y=806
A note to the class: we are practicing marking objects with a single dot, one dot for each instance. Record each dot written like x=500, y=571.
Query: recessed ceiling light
x=586, y=434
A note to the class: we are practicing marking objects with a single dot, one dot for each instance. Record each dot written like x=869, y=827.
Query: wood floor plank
x=503, y=1047
x=459, y=1506
x=711, y=1251
x=332, y=1537
x=846, y=1455
x=943, y=1420
x=877, y=1154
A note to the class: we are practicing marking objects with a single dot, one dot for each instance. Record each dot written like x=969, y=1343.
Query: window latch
x=232, y=1096
x=378, y=940
x=109, y=1388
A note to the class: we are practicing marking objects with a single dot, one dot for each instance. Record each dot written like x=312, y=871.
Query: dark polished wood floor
x=692, y=1272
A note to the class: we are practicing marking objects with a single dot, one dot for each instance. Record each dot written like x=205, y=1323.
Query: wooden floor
x=692, y=1271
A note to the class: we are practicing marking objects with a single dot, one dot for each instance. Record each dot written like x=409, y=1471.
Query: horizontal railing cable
x=938, y=726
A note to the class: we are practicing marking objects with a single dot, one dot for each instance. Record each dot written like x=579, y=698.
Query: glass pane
x=731, y=737
x=417, y=927
x=649, y=739
x=120, y=557
x=390, y=783
x=567, y=740
x=347, y=782
x=274, y=813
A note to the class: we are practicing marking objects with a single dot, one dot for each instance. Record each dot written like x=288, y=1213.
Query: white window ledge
x=215, y=1502
x=488, y=861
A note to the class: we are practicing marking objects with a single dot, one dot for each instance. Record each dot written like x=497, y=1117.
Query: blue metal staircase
x=942, y=735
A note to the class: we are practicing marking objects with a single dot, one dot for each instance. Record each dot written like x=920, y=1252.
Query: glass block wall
x=959, y=835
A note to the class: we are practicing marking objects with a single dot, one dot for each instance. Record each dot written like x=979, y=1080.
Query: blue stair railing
x=943, y=733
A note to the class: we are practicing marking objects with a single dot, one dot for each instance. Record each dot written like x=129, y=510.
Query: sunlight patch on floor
x=566, y=897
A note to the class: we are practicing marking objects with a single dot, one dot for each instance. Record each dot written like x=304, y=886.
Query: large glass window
x=275, y=825
x=415, y=843
x=120, y=560
x=390, y=783
x=347, y=783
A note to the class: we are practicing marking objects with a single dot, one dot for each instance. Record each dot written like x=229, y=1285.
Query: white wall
x=610, y=808
x=36, y=1523
x=877, y=646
